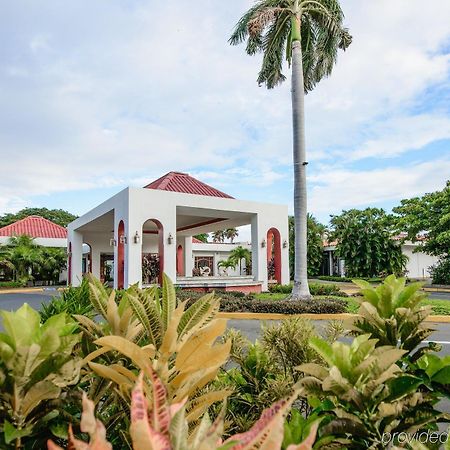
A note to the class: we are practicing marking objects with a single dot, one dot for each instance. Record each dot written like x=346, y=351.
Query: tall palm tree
x=24, y=255
x=231, y=234
x=308, y=33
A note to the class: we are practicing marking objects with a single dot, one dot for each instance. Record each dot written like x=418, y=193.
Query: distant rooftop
x=184, y=183
x=35, y=227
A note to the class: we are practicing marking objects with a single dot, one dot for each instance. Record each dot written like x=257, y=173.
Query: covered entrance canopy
x=154, y=226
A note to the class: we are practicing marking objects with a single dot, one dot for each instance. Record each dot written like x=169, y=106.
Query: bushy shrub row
x=441, y=272
x=314, y=288
x=11, y=284
x=347, y=279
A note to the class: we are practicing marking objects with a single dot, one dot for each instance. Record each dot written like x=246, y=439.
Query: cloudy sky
x=97, y=95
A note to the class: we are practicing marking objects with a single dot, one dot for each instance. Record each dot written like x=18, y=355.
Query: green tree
x=365, y=241
x=51, y=262
x=308, y=33
x=238, y=254
x=58, y=216
x=219, y=236
x=427, y=216
x=315, y=234
x=23, y=255
x=231, y=234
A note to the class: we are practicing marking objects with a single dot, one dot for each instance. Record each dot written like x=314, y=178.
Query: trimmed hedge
x=239, y=302
x=348, y=280
x=314, y=288
x=11, y=284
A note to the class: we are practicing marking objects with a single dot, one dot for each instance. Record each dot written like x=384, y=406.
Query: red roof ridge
x=184, y=183
x=35, y=227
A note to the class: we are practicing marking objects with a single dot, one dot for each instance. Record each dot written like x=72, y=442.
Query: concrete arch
x=274, y=251
x=160, y=233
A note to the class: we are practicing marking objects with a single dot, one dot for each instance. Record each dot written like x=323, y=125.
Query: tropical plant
x=72, y=301
x=361, y=393
x=51, y=262
x=238, y=254
x=149, y=331
x=231, y=234
x=391, y=312
x=218, y=236
x=36, y=365
x=365, y=241
x=227, y=264
x=23, y=256
x=309, y=34
x=156, y=424
x=203, y=237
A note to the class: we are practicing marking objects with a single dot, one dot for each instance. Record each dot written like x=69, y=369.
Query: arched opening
x=69, y=264
x=121, y=255
x=87, y=258
x=274, y=255
x=152, y=252
x=180, y=261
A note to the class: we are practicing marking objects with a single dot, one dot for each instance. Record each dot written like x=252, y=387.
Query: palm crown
x=271, y=26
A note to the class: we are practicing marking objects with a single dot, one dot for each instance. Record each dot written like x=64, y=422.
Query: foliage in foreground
x=36, y=365
x=159, y=425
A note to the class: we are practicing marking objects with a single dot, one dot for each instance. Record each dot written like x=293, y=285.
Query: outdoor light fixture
x=263, y=243
x=123, y=239
x=112, y=242
x=137, y=238
x=170, y=239
x=69, y=254
x=285, y=244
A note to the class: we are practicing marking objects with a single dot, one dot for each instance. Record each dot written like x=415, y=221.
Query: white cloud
x=154, y=86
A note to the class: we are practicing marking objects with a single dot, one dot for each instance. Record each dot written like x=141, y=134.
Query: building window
x=203, y=266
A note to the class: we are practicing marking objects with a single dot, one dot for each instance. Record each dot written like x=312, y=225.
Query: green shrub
x=314, y=289
x=440, y=273
x=72, y=301
x=11, y=284
x=347, y=279
x=315, y=306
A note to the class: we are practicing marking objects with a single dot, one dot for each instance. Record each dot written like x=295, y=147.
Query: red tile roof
x=35, y=227
x=182, y=182
x=196, y=241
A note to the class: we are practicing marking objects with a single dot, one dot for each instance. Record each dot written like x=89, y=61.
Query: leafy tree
x=315, y=234
x=427, y=220
x=51, y=262
x=58, y=216
x=218, y=236
x=365, y=241
x=309, y=34
x=427, y=216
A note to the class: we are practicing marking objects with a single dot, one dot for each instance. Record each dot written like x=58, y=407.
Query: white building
x=161, y=219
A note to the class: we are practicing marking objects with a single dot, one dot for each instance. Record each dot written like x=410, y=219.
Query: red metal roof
x=182, y=182
x=35, y=227
x=196, y=241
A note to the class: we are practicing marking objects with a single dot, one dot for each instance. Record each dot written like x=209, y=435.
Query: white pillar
x=170, y=250
x=95, y=263
x=76, y=241
x=259, y=254
x=133, y=253
x=188, y=257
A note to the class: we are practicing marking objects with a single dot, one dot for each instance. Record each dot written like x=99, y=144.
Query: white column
x=188, y=257
x=95, y=261
x=76, y=240
x=285, y=269
x=259, y=254
x=133, y=253
x=170, y=250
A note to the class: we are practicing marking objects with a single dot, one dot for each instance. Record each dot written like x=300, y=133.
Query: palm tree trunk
x=300, y=289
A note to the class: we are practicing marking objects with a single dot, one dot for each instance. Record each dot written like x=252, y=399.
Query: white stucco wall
x=44, y=242
x=419, y=263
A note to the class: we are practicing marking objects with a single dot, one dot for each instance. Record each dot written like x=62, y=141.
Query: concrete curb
x=27, y=290
x=341, y=316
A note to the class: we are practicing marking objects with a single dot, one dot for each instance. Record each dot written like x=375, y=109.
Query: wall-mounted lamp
x=263, y=243
x=112, y=242
x=122, y=239
x=170, y=239
x=285, y=243
x=69, y=254
x=136, y=238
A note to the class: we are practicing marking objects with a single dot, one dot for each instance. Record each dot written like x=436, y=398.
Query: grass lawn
x=440, y=307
